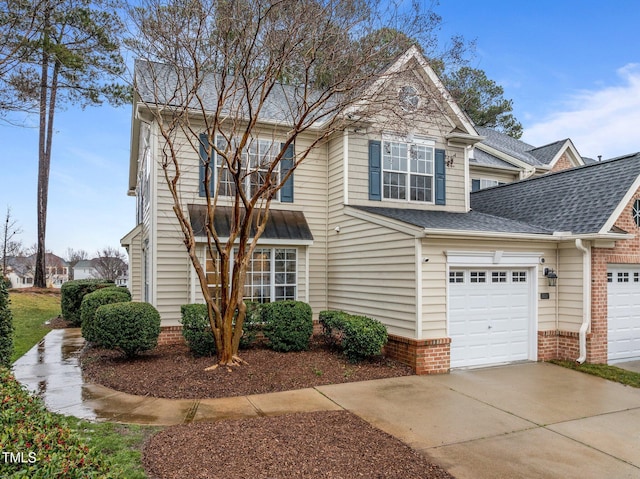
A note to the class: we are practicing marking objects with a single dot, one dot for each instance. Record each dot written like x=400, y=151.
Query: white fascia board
x=465, y=139
x=492, y=258
x=396, y=225
x=509, y=169
x=621, y=206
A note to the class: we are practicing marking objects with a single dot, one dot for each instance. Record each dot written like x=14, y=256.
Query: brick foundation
x=424, y=356
x=170, y=335
x=558, y=345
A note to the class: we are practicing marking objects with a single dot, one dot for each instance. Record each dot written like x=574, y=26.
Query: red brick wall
x=563, y=163
x=425, y=356
x=558, y=345
x=170, y=335
x=624, y=252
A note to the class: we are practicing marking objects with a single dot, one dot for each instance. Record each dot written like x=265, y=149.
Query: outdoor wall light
x=551, y=276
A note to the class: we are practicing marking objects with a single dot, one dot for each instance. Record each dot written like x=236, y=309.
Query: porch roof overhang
x=283, y=226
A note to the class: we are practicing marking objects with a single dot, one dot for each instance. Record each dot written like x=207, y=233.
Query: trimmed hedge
x=43, y=445
x=72, y=293
x=360, y=337
x=92, y=301
x=128, y=327
x=196, y=329
x=6, y=327
x=288, y=325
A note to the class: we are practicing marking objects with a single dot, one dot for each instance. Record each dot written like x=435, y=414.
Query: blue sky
x=571, y=67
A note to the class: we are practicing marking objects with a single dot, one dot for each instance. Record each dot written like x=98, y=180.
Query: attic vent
x=408, y=96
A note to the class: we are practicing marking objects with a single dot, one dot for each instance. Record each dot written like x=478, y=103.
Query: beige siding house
x=473, y=248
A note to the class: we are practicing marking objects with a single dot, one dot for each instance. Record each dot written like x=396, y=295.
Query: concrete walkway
x=530, y=420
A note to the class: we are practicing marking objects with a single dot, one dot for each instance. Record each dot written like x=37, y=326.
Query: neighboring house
x=500, y=159
x=21, y=271
x=86, y=269
x=383, y=223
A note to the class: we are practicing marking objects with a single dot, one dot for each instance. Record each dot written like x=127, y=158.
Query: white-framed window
x=498, y=276
x=456, y=276
x=408, y=170
x=518, y=276
x=271, y=275
x=478, y=276
x=623, y=277
x=256, y=160
x=482, y=183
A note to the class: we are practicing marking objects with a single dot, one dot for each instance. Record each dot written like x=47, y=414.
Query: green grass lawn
x=30, y=312
x=121, y=443
x=612, y=373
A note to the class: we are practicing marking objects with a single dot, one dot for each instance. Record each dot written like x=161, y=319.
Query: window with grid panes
x=408, y=171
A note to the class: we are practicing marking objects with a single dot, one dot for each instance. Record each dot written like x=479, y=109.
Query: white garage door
x=623, y=312
x=489, y=316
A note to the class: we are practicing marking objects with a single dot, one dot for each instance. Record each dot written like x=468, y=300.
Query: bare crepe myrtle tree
x=213, y=75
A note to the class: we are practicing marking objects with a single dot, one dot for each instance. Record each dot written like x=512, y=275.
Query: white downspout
x=586, y=300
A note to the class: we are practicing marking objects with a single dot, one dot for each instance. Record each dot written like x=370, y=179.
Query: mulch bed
x=328, y=444
x=57, y=323
x=172, y=372
x=335, y=445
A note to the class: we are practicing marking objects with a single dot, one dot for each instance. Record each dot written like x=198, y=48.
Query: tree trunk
x=40, y=280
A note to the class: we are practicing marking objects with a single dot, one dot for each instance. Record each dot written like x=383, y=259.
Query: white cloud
x=599, y=122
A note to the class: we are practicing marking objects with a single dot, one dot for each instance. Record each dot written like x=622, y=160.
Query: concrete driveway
x=531, y=420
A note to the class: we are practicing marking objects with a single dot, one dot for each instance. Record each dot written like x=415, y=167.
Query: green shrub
x=288, y=325
x=72, y=293
x=359, y=337
x=92, y=301
x=331, y=322
x=252, y=326
x=363, y=337
x=196, y=329
x=6, y=327
x=128, y=327
x=47, y=445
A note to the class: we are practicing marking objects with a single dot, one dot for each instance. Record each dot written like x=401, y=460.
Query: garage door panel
x=489, y=322
x=623, y=312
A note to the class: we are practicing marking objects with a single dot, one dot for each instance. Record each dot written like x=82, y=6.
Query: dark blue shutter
x=375, y=170
x=440, y=178
x=475, y=185
x=204, y=157
x=286, y=192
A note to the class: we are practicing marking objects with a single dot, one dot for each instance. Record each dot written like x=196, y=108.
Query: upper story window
x=408, y=170
x=256, y=160
x=478, y=184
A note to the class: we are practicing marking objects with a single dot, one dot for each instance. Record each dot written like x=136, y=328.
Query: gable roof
x=543, y=157
x=580, y=200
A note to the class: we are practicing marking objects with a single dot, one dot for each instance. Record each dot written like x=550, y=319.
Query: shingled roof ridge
x=562, y=172
x=549, y=144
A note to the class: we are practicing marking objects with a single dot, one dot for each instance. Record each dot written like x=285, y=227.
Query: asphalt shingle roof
x=579, y=200
x=158, y=83
x=471, y=221
x=512, y=147
x=546, y=154
x=486, y=159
